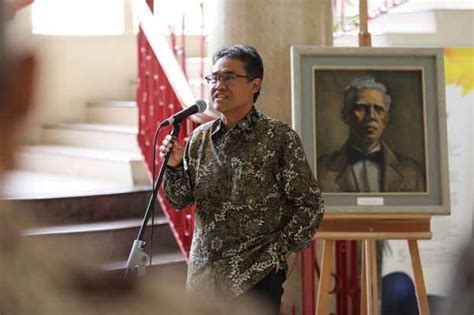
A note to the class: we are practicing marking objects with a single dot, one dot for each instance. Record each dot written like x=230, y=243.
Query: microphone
x=198, y=107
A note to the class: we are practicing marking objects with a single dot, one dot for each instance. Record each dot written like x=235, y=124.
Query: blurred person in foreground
x=461, y=297
x=256, y=197
x=43, y=278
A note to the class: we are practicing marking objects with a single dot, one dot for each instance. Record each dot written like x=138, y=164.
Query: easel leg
x=374, y=285
x=423, y=306
x=369, y=266
x=326, y=265
x=307, y=280
x=363, y=285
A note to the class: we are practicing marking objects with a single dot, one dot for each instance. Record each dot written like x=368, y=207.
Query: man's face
x=232, y=96
x=367, y=117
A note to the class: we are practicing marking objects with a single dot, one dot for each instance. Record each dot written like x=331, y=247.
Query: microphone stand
x=138, y=258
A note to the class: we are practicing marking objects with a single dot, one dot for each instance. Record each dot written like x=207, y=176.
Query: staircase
x=86, y=184
x=106, y=224
x=103, y=147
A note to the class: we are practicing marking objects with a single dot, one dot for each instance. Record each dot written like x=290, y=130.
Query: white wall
x=75, y=69
x=435, y=27
x=450, y=233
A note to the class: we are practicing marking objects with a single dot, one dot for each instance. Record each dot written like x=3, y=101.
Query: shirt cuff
x=175, y=168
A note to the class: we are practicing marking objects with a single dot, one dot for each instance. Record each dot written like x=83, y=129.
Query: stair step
x=113, y=103
x=92, y=135
x=110, y=165
x=86, y=153
x=105, y=128
x=113, y=239
x=121, y=204
x=112, y=112
x=91, y=227
x=23, y=185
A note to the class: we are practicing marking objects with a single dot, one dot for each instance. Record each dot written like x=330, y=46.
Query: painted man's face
x=368, y=116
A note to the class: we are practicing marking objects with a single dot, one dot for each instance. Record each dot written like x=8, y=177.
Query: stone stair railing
x=162, y=90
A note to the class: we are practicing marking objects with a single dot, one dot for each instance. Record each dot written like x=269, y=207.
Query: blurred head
x=16, y=89
x=366, y=111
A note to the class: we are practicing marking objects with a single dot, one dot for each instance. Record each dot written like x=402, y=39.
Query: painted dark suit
x=400, y=173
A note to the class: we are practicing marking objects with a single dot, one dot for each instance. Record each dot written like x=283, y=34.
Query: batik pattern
x=256, y=200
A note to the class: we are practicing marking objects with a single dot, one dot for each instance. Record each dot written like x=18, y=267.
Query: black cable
x=153, y=172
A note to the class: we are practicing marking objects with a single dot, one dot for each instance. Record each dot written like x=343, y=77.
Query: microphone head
x=202, y=105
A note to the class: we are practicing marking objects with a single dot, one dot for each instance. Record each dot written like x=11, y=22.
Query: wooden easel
x=368, y=229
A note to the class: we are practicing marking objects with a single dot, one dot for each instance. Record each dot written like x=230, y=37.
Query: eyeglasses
x=226, y=77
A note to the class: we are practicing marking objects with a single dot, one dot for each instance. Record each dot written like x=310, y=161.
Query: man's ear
x=19, y=87
x=256, y=84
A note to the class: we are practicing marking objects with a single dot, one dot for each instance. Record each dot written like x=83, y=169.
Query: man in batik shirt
x=256, y=197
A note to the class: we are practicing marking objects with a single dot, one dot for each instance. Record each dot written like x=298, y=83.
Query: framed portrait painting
x=373, y=124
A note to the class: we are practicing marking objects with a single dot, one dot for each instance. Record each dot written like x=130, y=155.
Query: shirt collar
x=245, y=124
x=377, y=148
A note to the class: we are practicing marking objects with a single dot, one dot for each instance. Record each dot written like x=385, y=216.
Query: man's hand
x=176, y=156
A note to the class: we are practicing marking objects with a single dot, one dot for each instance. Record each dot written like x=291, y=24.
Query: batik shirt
x=256, y=200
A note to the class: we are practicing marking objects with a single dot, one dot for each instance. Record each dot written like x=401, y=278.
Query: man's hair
x=364, y=83
x=253, y=63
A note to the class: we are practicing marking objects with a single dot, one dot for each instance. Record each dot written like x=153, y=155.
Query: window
x=78, y=17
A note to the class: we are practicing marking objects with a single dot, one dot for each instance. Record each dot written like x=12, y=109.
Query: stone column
x=271, y=26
